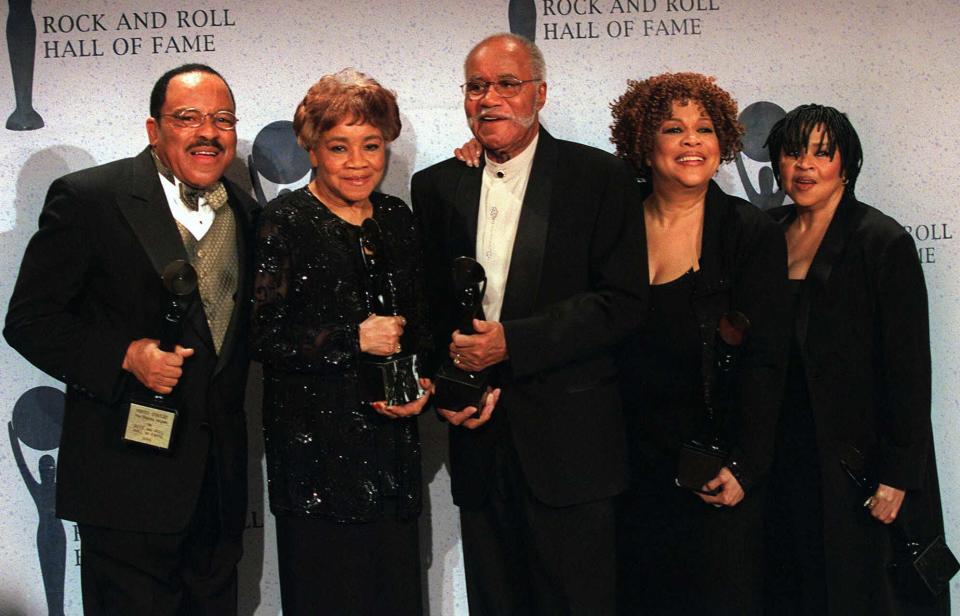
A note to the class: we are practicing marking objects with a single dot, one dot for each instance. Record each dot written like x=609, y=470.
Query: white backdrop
x=891, y=65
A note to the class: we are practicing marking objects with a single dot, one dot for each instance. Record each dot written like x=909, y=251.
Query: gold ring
x=398, y=348
x=870, y=502
x=456, y=360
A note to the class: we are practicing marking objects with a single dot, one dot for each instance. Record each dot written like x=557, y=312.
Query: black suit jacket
x=90, y=284
x=575, y=287
x=743, y=265
x=863, y=336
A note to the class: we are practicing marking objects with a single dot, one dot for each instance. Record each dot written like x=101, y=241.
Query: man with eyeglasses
x=535, y=472
x=157, y=486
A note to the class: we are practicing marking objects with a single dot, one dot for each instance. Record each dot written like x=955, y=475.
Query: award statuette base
x=391, y=379
x=698, y=463
x=150, y=423
x=922, y=571
x=457, y=389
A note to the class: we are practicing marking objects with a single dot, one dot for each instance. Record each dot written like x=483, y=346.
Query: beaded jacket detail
x=327, y=453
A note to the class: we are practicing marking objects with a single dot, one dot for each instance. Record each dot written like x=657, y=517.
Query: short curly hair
x=346, y=95
x=639, y=112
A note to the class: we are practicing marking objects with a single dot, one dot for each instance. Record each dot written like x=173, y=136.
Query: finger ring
x=398, y=348
x=456, y=359
x=870, y=502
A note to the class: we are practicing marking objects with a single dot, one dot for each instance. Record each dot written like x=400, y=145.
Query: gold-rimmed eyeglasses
x=192, y=118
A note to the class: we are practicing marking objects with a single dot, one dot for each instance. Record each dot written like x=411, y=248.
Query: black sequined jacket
x=328, y=454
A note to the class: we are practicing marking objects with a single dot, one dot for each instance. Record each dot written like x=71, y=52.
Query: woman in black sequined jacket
x=344, y=474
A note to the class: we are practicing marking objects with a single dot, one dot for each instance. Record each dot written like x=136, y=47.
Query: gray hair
x=537, y=64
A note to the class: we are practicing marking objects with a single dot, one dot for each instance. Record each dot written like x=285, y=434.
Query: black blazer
x=743, y=265
x=864, y=339
x=574, y=289
x=90, y=284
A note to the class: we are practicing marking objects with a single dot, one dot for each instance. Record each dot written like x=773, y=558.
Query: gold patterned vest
x=214, y=256
x=215, y=259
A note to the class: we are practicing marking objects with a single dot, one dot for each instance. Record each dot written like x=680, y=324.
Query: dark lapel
x=243, y=282
x=526, y=262
x=466, y=206
x=831, y=246
x=713, y=269
x=830, y=249
x=149, y=216
x=145, y=209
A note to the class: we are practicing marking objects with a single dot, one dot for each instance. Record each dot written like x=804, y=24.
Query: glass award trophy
x=394, y=378
x=151, y=416
x=456, y=388
x=922, y=564
x=702, y=457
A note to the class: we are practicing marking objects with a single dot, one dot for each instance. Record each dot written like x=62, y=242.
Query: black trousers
x=191, y=573
x=364, y=569
x=522, y=556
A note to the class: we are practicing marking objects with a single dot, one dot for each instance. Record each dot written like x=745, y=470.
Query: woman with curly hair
x=704, y=404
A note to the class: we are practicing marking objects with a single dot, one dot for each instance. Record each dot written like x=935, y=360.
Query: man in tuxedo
x=160, y=523
x=535, y=473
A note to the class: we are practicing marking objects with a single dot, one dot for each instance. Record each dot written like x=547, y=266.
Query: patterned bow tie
x=214, y=195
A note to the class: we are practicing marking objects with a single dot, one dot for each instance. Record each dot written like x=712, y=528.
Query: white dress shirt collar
x=198, y=221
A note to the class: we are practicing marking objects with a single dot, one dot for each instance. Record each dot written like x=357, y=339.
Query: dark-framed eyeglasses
x=477, y=88
x=192, y=118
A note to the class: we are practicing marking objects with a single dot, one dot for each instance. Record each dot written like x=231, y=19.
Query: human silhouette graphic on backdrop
x=758, y=118
x=37, y=422
x=523, y=18
x=22, y=46
x=278, y=157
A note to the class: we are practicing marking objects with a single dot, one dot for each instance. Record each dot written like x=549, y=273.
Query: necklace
x=353, y=214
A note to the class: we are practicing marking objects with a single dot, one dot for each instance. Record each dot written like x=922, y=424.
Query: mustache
x=203, y=142
x=493, y=114
x=525, y=121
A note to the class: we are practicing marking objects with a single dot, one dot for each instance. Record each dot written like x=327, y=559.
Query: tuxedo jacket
x=863, y=336
x=89, y=285
x=575, y=287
